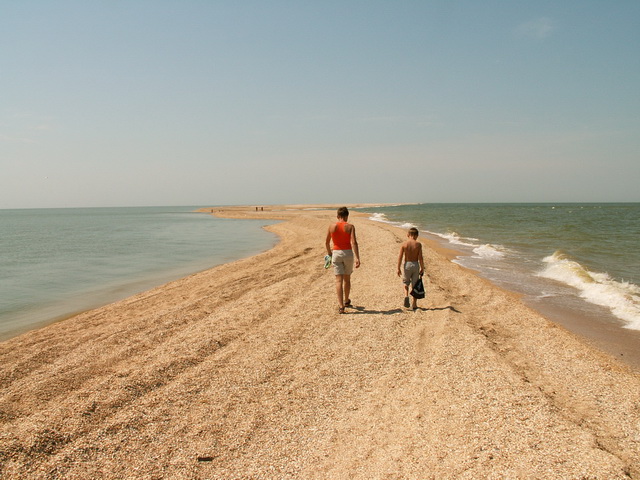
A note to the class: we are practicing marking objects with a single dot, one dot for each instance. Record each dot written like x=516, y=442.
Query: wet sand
x=247, y=371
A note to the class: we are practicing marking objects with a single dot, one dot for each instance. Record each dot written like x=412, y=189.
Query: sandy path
x=246, y=371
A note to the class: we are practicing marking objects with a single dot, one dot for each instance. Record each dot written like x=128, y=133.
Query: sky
x=220, y=102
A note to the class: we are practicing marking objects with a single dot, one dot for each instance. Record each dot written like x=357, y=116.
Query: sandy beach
x=247, y=371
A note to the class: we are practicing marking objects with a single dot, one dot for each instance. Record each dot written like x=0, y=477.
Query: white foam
x=622, y=298
x=546, y=295
x=455, y=239
x=379, y=217
x=408, y=225
x=488, y=251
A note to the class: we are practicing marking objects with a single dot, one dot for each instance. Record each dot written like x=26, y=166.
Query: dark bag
x=418, y=289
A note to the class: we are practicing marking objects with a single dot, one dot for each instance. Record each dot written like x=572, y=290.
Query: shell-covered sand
x=247, y=371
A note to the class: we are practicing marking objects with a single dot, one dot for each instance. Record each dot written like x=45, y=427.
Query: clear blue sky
x=108, y=103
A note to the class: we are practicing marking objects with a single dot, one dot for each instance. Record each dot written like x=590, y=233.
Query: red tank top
x=341, y=239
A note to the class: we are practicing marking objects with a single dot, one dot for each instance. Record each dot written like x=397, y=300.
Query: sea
x=58, y=262
x=578, y=260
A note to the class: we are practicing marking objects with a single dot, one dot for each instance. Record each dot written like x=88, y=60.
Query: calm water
x=581, y=257
x=56, y=262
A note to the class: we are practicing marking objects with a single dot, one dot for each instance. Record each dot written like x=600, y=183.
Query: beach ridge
x=246, y=371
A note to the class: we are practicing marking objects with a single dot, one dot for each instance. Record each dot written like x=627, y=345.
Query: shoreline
x=601, y=329
x=614, y=339
x=245, y=370
x=84, y=276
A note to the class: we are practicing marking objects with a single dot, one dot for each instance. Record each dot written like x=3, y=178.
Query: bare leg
x=347, y=287
x=339, y=290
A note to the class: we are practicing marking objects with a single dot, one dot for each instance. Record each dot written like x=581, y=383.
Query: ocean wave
x=489, y=251
x=622, y=298
x=452, y=237
x=455, y=239
x=379, y=217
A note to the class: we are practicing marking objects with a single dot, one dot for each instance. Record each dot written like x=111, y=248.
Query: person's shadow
x=453, y=309
x=363, y=310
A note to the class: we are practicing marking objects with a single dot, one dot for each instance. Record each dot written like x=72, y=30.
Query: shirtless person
x=411, y=250
x=345, y=251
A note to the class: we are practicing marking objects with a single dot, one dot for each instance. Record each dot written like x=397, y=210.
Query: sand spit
x=247, y=371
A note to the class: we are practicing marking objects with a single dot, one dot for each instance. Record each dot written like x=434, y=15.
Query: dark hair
x=343, y=212
x=413, y=231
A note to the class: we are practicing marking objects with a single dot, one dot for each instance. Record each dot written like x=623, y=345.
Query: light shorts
x=411, y=273
x=342, y=261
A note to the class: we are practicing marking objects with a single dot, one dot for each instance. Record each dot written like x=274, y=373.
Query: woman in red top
x=343, y=256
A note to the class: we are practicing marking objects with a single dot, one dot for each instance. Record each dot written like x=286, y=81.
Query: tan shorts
x=411, y=273
x=342, y=261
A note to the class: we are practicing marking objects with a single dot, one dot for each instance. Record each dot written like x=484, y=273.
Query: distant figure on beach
x=343, y=256
x=411, y=250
